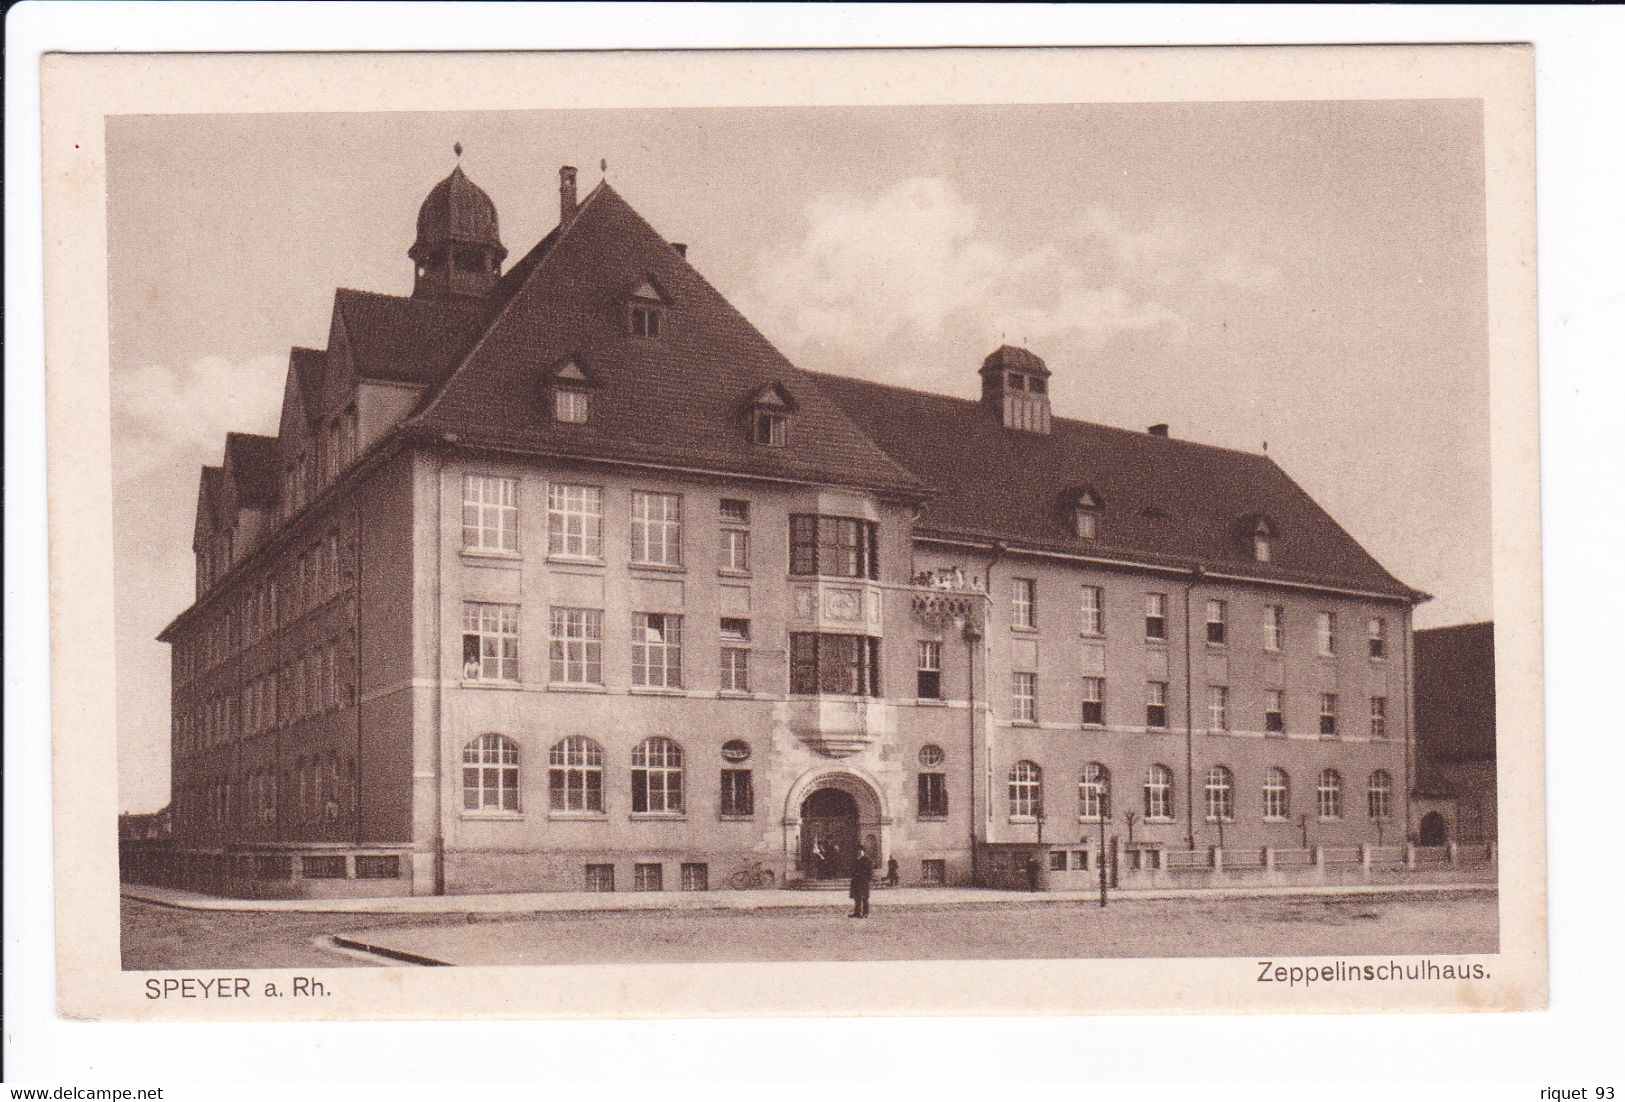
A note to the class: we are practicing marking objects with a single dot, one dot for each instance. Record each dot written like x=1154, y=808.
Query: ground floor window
x=323, y=868
x=657, y=777
x=696, y=876
x=646, y=877
x=738, y=797
x=377, y=867
x=491, y=774
x=934, y=870
x=600, y=878
x=933, y=795
x=1057, y=860
x=1080, y=860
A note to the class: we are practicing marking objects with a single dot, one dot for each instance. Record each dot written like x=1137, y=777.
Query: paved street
x=158, y=937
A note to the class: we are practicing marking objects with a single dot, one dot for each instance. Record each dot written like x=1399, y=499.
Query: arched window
x=1026, y=790
x=657, y=776
x=1221, y=795
x=1159, y=793
x=491, y=774
x=575, y=775
x=1277, y=794
x=1379, y=795
x=1095, y=793
x=1329, y=794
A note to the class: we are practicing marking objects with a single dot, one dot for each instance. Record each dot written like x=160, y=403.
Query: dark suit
x=862, y=872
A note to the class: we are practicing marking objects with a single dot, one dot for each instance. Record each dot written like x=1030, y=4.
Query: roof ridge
x=432, y=397
x=1138, y=434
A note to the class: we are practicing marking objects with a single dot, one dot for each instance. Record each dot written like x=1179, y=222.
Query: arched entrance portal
x=829, y=833
x=1432, y=832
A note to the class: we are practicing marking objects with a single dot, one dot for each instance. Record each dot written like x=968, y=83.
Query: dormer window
x=646, y=310
x=769, y=411
x=1258, y=532
x=1083, y=505
x=1015, y=387
x=772, y=429
x=568, y=385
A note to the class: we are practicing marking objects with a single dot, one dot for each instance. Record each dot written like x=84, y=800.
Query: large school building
x=559, y=576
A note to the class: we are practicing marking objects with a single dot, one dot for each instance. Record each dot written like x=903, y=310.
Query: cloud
x=912, y=271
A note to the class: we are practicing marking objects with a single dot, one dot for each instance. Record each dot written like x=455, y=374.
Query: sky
x=1310, y=276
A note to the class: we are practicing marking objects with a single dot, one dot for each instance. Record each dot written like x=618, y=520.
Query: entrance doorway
x=829, y=834
x=1432, y=832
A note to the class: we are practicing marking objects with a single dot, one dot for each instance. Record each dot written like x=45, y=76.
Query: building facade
x=1455, y=735
x=563, y=578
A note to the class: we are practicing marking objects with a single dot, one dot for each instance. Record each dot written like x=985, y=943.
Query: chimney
x=1159, y=429
x=567, y=192
x=682, y=249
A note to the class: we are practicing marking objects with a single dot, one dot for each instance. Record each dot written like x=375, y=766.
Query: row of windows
x=819, y=663
x=332, y=450
x=1026, y=793
x=319, y=682
x=1092, y=620
x=316, y=790
x=304, y=581
x=1024, y=703
x=575, y=777
x=819, y=545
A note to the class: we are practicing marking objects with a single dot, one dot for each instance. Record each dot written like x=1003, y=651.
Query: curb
x=400, y=955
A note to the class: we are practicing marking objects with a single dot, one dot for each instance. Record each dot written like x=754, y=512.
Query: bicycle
x=753, y=876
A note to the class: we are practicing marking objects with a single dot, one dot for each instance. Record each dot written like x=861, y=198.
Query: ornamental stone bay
x=561, y=577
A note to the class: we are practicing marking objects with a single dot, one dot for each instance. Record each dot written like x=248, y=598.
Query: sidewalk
x=769, y=899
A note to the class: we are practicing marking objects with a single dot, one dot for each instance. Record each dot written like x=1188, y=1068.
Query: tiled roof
x=1455, y=693
x=252, y=460
x=309, y=367
x=1164, y=501
x=680, y=400
x=210, y=482
x=409, y=340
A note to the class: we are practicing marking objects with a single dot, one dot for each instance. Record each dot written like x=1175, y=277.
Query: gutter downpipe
x=1190, y=727
x=970, y=682
x=438, y=667
x=355, y=595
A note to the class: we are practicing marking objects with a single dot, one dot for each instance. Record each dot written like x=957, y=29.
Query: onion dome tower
x=458, y=252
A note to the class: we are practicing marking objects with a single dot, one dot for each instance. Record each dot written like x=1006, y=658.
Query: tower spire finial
x=603, y=165
x=457, y=148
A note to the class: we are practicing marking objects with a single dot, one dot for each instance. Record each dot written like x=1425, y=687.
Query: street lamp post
x=1303, y=830
x=1101, y=860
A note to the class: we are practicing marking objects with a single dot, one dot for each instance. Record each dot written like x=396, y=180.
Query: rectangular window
x=490, y=642
x=1274, y=626
x=1326, y=632
x=570, y=405
x=738, y=795
x=1093, y=617
x=657, y=650
x=771, y=428
x=735, y=670
x=928, y=675
x=1379, y=717
x=1376, y=631
x=644, y=321
x=833, y=547
x=1216, y=625
x=646, y=877
x=600, y=878
x=696, y=876
x=1024, y=696
x=324, y=868
x=1274, y=711
x=934, y=871
x=576, y=646
x=575, y=521
x=1023, y=603
x=377, y=868
x=1094, y=701
x=841, y=665
x=735, y=520
x=1328, y=713
x=657, y=529
x=1218, y=708
x=933, y=795
x=1156, y=616
x=490, y=513
x=1156, y=704
x=1057, y=860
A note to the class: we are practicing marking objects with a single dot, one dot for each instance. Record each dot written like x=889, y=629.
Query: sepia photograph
x=750, y=533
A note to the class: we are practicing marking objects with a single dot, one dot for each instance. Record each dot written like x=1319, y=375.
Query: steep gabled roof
x=252, y=460
x=1162, y=501
x=308, y=366
x=672, y=401
x=408, y=340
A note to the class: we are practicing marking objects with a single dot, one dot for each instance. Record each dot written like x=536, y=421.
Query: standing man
x=862, y=870
x=891, y=871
